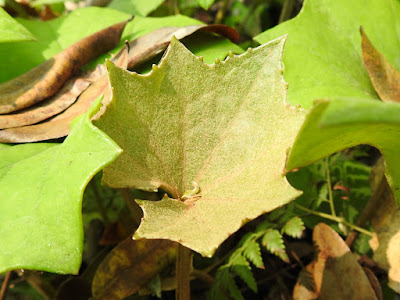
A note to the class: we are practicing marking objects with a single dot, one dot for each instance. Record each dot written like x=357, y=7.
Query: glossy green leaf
x=140, y=26
x=11, y=30
x=41, y=187
x=52, y=37
x=224, y=126
x=323, y=52
x=135, y=7
x=335, y=125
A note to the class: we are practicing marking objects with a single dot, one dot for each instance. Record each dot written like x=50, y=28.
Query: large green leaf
x=224, y=126
x=135, y=7
x=11, y=30
x=323, y=52
x=41, y=187
x=140, y=26
x=52, y=37
x=332, y=126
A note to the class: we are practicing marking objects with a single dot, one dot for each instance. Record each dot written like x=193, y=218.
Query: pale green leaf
x=332, y=126
x=272, y=240
x=135, y=7
x=323, y=52
x=52, y=37
x=205, y=3
x=11, y=30
x=187, y=122
x=294, y=227
x=41, y=187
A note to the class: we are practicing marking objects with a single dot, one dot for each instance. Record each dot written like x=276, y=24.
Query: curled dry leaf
x=46, y=79
x=59, y=126
x=64, y=98
x=385, y=78
x=141, y=49
x=130, y=266
x=336, y=273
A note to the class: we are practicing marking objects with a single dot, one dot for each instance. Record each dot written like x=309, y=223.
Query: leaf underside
x=224, y=126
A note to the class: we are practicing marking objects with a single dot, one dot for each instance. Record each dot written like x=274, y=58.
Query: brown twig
x=4, y=286
x=203, y=276
x=39, y=284
x=183, y=270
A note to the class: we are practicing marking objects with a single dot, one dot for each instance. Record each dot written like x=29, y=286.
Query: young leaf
x=242, y=268
x=41, y=187
x=252, y=252
x=187, y=122
x=323, y=52
x=11, y=30
x=294, y=227
x=272, y=240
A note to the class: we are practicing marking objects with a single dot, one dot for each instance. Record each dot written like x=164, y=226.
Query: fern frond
x=241, y=267
x=294, y=227
x=226, y=282
x=272, y=241
x=252, y=252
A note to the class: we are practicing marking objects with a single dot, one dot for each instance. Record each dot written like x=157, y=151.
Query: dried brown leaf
x=141, y=49
x=151, y=44
x=305, y=287
x=336, y=272
x=385, y=78
x=130, y=266
x=46, y=79
x=64, y=98
x=59, y=126
x=386, y=240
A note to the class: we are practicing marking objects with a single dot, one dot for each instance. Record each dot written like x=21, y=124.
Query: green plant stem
x=183, y=270
x=39, y=284
x=18, y=8
x=221, y=12
x=328, y=181
x=4, y=286
x=335, y=218
x=287, y=11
